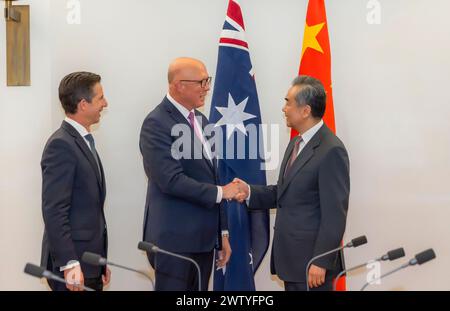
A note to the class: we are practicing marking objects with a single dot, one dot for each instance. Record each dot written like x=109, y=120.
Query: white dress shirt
x=80, y=129
x=306, y=137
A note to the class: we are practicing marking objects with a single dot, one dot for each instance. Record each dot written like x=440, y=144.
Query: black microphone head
x=148, y=247
x=361, y=240
x=93, y=259
x=395, y=254
x=34, y=270
x=425, y=256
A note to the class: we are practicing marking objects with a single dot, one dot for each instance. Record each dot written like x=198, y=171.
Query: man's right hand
x=74, y=277
x=243, y=190
x=230, y=191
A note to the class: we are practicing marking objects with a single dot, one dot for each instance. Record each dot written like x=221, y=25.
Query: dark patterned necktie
x=294, y=155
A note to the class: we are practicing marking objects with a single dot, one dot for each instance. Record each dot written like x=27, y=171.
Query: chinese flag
x=316, y=62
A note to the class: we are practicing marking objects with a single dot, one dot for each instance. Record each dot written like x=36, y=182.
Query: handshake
x=237, y=190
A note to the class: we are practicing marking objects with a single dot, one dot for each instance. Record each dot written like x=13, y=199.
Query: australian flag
x=235, y=108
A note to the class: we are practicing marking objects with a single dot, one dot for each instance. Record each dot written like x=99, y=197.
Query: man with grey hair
x=311, y=195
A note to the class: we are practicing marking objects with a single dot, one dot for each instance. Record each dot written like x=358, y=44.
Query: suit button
x=279, y=206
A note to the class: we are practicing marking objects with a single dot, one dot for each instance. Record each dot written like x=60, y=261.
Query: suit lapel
x=203, y=125
x=174, y=113
x=179, y=118
x=88, y=154
x=286, y=157
x=305, y=155
x=86, y=151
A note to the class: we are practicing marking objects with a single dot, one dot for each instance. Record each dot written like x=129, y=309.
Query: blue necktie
x=91, y=141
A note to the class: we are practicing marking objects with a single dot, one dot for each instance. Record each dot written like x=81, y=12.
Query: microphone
x=152, y=248
x=97, y=260
x=361, y=240
x=40, y=272
x=93, y=259
x=391, y=255
x=418, y=259
x=423, y=257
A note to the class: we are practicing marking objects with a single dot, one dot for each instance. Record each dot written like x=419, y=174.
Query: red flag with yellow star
x=316, y=56
x=316, y=62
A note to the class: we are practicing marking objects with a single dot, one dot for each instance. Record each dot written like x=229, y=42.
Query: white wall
x=391, y=112
x=25, y=122
x=392, y=107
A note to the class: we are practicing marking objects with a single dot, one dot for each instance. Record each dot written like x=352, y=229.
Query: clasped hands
x=237, y=190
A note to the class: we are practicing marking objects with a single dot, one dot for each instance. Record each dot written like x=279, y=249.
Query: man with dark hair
x=73, y=188
x=311, y=195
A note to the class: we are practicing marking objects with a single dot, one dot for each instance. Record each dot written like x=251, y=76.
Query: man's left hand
x=316, y=276
x=225, y=253
x=106, y=278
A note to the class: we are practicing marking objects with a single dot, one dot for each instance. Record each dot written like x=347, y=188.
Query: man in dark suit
x=73, y=187
x=311, y=195
x=183, y=213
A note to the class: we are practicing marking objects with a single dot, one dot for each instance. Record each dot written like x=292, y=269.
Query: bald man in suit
x=183, y=212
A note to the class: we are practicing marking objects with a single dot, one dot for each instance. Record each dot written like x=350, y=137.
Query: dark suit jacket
x=311, y=202
x=181, y=214
x=73, y=194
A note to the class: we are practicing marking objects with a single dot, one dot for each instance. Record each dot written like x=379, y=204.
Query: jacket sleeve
x=334, y=190
x=263, y=197
x=58, y=170
x=166, y=171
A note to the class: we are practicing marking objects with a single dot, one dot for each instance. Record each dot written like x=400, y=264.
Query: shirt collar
x=179, y=106
x=311, y=132
x=80, y=128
